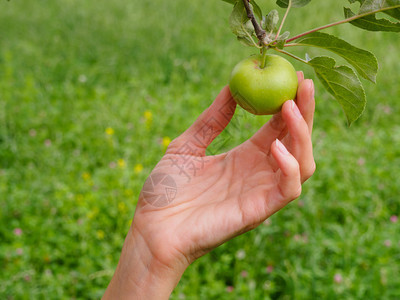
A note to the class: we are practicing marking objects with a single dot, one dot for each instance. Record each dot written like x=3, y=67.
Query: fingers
x=276, y=128
x=305, y=101
x=264, y=137
x=207, y=127
x=300, y=76
x=289, y=181
x=299, y=139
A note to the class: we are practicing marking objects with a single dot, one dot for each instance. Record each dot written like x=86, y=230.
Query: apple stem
x=263, y=57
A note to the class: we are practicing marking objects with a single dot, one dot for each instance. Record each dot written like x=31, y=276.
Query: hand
x=191, y=203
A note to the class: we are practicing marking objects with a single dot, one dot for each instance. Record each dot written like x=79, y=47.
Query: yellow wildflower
x=166, y=141
x=100, y=234
x=109, y=131
x=93, y=213
x=148, y=115
x=121, y=163
x=138, y=168
x=86, y=176
x=128, y=193
x=122, y=207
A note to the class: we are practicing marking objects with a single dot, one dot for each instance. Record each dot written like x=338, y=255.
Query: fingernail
x=281, y=147
x=296, y=110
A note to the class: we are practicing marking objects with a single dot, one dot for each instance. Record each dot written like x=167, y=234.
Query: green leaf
x=256, y=9
x=395, y=13
x=371, y=23
x=241, y=25
x=371, y=7
x=295, y=3
x=271, y=21
x=343, y=84
x=245, y=41
x=281, y=40
x=230, y=1
x=363, y=61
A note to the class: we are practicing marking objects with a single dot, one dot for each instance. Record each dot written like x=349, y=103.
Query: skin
x=230, y=194
x=263, y=91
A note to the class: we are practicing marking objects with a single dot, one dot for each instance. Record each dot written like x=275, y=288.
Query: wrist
x=139, y=275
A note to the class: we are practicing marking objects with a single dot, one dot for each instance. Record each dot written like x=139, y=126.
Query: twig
x=259, y=31
x=291, y=55
x=284, y=19
x=355, y=17
x=292, y=45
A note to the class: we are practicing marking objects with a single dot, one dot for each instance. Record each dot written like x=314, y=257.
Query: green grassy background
x=90, y=94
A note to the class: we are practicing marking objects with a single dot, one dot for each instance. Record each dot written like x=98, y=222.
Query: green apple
x=263, y=91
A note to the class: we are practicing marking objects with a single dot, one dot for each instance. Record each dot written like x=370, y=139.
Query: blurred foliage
x=90, y=94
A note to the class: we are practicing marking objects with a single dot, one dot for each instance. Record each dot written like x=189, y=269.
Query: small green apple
x=263, y=91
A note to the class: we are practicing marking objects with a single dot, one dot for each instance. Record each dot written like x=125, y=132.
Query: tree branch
x=355, y=17
x=259, y=31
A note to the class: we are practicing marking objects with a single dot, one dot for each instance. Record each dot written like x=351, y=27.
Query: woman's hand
x=191, y=203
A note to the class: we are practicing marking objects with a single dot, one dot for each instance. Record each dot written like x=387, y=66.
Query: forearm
x=139, y=275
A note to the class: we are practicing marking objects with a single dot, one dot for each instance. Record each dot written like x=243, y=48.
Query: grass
x=90, y=94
